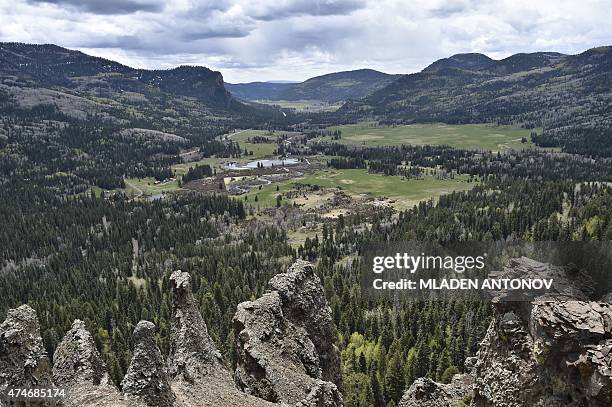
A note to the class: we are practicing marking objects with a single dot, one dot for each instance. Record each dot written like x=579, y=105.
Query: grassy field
x=304, y=105
x=358, y=182
x=181, y=169
x=146, y=186
x=469, y=136
x=260, y=150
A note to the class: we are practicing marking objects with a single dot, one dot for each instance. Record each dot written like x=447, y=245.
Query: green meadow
x=406, y=192
x=467, y=136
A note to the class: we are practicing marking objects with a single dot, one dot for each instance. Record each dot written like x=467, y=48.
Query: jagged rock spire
x=193, y=353
x=76, y=358
x=79, y=368
x=284, y=342
x=303, y=299
x=23, y=359
x=146, y=378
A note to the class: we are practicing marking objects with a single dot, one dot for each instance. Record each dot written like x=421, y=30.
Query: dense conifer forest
x=75, y=244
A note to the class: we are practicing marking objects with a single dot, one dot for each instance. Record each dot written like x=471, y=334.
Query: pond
x=262, y=163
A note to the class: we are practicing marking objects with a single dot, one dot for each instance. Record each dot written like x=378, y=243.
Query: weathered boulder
x=23, y=359
x=79, y=368
x=552, y=349
x=146, y=379
x=284, y=342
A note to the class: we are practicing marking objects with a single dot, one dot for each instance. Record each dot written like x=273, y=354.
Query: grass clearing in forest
x=260, y=150
x=467, y=136
x=405, y=192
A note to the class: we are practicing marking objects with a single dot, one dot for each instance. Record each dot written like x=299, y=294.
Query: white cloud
x=296, y=39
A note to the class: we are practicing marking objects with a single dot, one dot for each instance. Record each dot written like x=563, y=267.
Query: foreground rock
x=552, y=350
x=79, y=368
x=300, y=371
x=198, y=376
x=23, y=359
x=146, y=379
x=427, y=393
x=193, y=354
x=284, y=342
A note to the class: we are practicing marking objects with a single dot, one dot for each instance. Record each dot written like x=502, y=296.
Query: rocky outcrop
x=146, y=379
x=79, y=368
x=76, y=358
x=284, y=342
x=23, y=359
x=549, y=350
x=425, y=392
x=198, y=376
x=303, y=371
x=193, y=354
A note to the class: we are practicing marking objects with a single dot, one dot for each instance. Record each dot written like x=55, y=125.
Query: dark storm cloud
x=108, y=6
x=284, y=9
x=452, y=7
x=295, y=39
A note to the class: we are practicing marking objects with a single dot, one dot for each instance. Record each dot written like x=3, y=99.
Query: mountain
x=257, y=90
x=333, y=87
x=101, y=121
x=471, y=61
x=50, y=65
x=557, y=92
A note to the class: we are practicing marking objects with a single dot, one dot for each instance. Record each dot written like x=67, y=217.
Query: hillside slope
x=97, y=121
x=257, y=90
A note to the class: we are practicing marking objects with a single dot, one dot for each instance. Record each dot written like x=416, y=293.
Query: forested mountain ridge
x=50, y=65
x=257, y=90
x=333, y=87
x=569, y=96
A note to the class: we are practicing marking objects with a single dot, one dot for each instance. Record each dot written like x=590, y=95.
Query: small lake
x=259, y=163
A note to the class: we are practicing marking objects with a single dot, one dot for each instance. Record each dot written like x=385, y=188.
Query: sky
x=252, y=40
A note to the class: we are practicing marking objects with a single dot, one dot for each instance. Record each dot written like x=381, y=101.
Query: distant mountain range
x=333, y=87
x=257, y=90
x=561, y=93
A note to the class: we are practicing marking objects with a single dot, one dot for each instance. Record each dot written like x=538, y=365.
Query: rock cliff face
x=198, y=376
x=539, y=350
x=553, y=350
x=427, y=393
x=284, y=342
x=193, y=374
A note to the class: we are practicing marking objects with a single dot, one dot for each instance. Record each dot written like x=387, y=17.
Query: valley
x=112, y=178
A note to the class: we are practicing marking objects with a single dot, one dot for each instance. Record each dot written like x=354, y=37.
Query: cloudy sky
x=249, y=40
